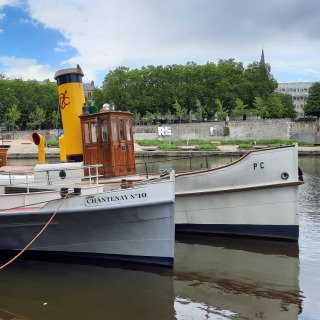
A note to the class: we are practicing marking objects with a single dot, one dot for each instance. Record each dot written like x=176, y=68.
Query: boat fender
x=300, y=174
x=284, y=175
x=62, y=174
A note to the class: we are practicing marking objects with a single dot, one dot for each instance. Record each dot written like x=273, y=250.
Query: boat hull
x=110, y=225
x=256, y=196
x=267, y=213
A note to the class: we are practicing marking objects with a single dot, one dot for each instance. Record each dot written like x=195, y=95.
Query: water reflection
x=48, y=290
x=236, y=278
x=213, y=278
x=309, y=241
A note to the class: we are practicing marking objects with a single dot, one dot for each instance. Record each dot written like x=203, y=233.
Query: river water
x=213, y=278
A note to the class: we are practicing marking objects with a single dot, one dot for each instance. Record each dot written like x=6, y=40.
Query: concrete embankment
x=27, y=149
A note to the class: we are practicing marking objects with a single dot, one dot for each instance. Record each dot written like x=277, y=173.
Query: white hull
x=132, y=224
x=255, y=196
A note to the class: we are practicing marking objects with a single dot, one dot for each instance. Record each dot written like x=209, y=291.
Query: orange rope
x=37, y=236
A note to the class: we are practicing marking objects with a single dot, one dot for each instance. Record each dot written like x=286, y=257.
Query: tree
x=181, y=112
x=99, y=97
x=36, y=118
x=200, y=113
x=261, y=108
x=240, y=109
x=136, y=118
x=280, y=105
x=12, y=117
x=150, y=117
x=221, y=113
x=55, y=119
x=312, y=107
x=259, y=82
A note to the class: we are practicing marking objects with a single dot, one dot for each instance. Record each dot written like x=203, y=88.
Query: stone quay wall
x=242, y=130
x=250, y=129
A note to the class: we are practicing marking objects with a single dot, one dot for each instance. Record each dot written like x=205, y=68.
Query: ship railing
x=62, y=176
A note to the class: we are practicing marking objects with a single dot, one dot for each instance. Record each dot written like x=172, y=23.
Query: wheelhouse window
x=128, y=127
x=86, y=133
x=104, y=130
x=122, y=135
x=93, y=131
x=114, y=129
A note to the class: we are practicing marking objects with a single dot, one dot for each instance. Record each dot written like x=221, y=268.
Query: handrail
x=26, y=177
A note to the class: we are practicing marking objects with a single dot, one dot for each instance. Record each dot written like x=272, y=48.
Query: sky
x=40, y=37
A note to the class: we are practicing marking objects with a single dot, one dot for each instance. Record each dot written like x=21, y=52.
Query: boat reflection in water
x=221, y=278
x=40, y=290
x=213, y=278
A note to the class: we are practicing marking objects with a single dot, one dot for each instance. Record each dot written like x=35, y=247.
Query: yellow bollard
x=71, y=100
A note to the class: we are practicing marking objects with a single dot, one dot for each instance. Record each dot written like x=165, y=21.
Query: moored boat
x=256, y=196
x=61, y=209
x=133, y=224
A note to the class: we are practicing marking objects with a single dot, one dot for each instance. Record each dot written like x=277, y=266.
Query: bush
x=52, y=143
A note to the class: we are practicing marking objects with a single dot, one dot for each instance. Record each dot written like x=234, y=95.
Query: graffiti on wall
x=164, y=131
x=216, y=131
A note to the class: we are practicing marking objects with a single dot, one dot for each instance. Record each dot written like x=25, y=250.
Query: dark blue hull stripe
x=284, y=232
x=91, y=258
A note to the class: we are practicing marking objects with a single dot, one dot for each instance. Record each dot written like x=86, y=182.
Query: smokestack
x=71, y=100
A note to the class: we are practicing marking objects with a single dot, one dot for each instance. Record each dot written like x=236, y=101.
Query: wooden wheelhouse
x=107, y=139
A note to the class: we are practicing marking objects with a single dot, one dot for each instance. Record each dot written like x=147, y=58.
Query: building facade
x=88, y=89
x=299, y=92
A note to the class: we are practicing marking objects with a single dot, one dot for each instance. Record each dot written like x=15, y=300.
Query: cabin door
x=120, y=146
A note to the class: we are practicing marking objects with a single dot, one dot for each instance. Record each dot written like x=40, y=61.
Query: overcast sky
x=39, y=37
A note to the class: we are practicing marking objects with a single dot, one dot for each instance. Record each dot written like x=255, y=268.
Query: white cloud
x=19, y=68
x=108, y=33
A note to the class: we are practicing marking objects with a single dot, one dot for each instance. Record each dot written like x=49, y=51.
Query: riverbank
x=19, y=149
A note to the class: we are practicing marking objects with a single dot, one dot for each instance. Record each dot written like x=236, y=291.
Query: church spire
x=262, y=57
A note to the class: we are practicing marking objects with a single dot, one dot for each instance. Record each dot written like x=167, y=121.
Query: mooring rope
x=38, y=235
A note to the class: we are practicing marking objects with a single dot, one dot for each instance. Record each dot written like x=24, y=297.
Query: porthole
x=284, y=175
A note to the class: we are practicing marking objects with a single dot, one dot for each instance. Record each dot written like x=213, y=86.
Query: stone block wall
x=249, y=129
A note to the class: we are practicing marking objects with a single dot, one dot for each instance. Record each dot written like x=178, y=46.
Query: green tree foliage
x=221, y=112
x=150, y=117
x=280, y=106
x=12, y=117
x=99, y=97
x=261, y=108
x=181, y=112
x=241, y=109
x=136, y=118
x=157, y=88
x=27, y=94
x=36, y=118
x=312, y=107
x=259, y=82
x=200, y=113
x=55, y=119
